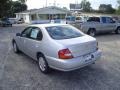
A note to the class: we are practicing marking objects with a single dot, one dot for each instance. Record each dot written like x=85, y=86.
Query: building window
x=63, y=16
x=33, y=17
x=43, y=16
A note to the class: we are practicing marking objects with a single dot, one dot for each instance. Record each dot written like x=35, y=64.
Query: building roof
x=46, y=10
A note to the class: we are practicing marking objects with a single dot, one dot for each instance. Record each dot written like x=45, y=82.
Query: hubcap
x=42, y=64
x=92, y=33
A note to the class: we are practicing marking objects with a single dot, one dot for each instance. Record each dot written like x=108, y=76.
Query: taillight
x=65, y=54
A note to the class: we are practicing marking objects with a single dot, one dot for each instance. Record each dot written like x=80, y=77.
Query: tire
x=15, y=47
x=117, y=30
x=92, y=32
x=43, y=65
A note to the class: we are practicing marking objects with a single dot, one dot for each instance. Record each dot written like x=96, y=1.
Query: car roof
x=47, y=25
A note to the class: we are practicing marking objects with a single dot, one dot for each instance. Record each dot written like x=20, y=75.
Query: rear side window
x=36, y=34
x=63, y=32
x=95, y=19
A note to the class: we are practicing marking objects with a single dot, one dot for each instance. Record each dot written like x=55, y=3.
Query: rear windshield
x=63, y=32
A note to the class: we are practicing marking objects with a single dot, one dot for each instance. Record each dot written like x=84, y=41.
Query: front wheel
x=15, y=47
x=118, y=30
x=43, y=65
x=92, y=32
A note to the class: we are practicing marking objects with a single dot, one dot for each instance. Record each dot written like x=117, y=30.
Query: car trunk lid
x=79, y=46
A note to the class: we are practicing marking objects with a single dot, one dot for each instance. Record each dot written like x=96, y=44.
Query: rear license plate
x=87, y=58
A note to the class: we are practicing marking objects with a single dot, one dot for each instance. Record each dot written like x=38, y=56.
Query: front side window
x=26, y=32
x=109, y=20
x=63, y=32
x=104, y=19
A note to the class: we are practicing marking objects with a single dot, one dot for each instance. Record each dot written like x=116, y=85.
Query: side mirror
x=18, y=34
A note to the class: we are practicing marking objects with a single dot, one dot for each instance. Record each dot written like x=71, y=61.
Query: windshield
x=63, y=32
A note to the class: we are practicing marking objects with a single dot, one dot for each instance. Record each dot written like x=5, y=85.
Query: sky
x=65, y=3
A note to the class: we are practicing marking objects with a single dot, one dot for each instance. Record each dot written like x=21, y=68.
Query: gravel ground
x=19, y=72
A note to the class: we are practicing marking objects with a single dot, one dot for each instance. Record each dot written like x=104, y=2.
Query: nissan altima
x=58, y=46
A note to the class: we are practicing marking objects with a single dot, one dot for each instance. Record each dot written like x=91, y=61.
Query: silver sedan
x=57, y=46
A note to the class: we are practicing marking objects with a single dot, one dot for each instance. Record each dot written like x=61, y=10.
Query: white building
x=43, y=14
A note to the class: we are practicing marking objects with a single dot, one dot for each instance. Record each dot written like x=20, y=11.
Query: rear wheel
x=92, y=32
x=118, y=30
x=43, y=65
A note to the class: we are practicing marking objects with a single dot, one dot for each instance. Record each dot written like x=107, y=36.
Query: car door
x=97, y=24
x=108, y=24
x=111, y=24
x=22, y=39
x=32, y=44
x=104, y=24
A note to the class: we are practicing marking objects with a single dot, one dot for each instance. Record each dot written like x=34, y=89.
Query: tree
x=8, y=8
x=17, y=7
x=118, y=10
x=118, y=1
x=106, y=8
x=23, y=1
x=2, y=4
x=86, y=6
x=4, y=7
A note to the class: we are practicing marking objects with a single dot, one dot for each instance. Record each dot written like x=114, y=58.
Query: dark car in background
x=5, y=22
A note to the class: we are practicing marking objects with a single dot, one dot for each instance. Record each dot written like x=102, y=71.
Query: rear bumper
x=72, y=64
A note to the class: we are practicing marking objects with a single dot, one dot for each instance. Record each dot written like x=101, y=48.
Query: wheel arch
x=39, y=54
x=92, y=28
x=117, y=27
x=13, y=41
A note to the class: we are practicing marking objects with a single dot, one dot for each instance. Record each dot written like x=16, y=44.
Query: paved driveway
x=19, y=72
